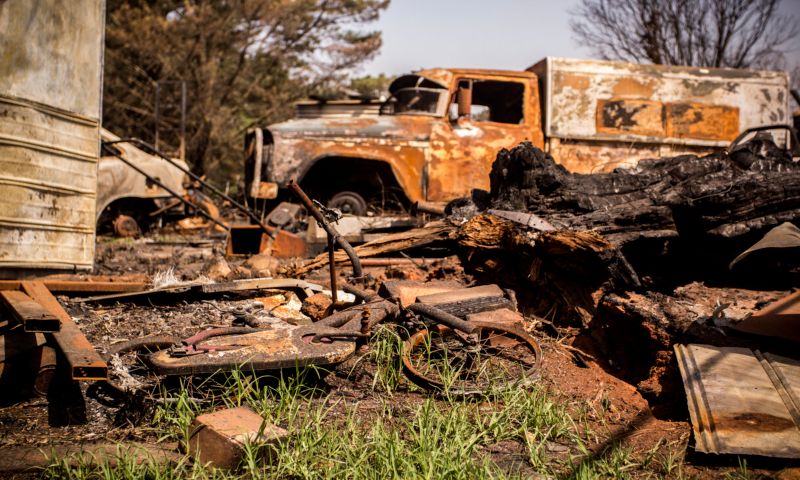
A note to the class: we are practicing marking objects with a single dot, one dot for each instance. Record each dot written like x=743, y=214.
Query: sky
x=503, y=34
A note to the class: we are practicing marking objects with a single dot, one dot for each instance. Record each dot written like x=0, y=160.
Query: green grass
x=396, y=434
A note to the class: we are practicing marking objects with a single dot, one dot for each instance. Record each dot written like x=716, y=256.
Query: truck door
x=463, y=147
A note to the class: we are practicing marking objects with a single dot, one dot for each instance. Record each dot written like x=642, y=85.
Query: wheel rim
x=349, y=203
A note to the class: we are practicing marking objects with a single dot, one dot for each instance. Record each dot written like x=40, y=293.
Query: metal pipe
x=169, y=190
x=141, y=143
x=332, y=264
x=389, y=262
x=429, y=207
x=442, y=317
x=183, y=120
x=314, y=211
x=363, y=295
x=157, y=111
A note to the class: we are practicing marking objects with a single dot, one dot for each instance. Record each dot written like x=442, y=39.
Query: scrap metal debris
x=742, y=401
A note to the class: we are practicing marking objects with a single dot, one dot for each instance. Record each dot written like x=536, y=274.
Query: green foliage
x=372, y=86
x=244, y=63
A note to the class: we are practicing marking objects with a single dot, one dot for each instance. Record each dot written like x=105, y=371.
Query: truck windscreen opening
x=415, y=101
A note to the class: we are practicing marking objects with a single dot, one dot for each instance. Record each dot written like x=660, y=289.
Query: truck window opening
x=494, y=101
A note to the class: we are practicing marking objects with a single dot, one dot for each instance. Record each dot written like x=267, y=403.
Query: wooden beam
x=83, y=360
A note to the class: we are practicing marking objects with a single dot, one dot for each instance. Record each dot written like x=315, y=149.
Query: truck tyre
x=349, y=203
x=126, y=226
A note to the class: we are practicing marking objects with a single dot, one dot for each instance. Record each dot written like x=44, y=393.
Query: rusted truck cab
x=437, y=135
x=433, y=140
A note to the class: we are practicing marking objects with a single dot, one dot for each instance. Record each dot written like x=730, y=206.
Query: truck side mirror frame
x=464, y=98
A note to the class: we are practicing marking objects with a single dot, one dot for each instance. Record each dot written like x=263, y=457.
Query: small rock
x=290, y=311
x=243, y=272
x=556, y=448
x=316, y=306
x=262, y=265
x=217, y=269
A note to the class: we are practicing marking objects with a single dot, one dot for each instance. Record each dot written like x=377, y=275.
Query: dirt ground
x=618, y=414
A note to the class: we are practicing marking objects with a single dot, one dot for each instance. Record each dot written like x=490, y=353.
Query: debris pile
x=619, y=270
x=676, y=219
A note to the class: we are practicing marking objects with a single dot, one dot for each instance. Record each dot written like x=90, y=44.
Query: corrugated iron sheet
x=50, y=81
x=742, y=401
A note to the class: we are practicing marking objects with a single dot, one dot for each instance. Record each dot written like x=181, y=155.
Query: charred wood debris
x=621, y=267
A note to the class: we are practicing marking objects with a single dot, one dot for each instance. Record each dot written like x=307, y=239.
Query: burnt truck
x=436, y=136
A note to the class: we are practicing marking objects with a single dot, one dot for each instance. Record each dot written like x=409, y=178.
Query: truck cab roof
x=445, y=76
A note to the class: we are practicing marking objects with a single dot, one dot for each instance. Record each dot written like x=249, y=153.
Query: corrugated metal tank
x=51, y=57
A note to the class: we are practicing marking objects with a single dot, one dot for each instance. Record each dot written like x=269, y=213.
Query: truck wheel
x=127, y=227
x=349, y=202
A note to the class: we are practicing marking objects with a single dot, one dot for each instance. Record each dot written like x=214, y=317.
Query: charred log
x=700, y=210
x=559, y=275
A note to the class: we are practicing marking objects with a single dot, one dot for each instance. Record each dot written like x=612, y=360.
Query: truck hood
x=394, y=127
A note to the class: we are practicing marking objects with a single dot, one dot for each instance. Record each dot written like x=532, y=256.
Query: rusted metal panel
x=638, y=117
x=401, y=141
x=742, y=401
x=462, y=152
x=594, y=156
x=32, y=316
x=704, y=122
x=83, y=360
x=283, y=346
x=80, y=286
x=337, y=109
x=50, y=85
x=678, y=120
x=647, y=105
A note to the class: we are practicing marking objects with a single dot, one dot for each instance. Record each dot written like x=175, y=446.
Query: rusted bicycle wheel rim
x=498, y=357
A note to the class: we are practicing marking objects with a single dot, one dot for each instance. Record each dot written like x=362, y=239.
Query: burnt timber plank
x=83, y=360
x=467, y=301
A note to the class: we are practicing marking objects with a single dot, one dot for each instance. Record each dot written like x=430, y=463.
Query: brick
x=502, y=317
x=219, y=437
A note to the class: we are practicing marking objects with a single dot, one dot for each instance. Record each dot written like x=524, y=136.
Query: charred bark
x=702, y=211
x=558, y=275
